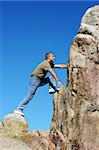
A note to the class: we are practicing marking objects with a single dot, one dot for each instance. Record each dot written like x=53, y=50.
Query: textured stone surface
x=40, y=133
x=14, y=135
x=15, y=122
x=76, y=112
x=7, y=143
x=75, y=121
x=42, y=143
x=1, y=126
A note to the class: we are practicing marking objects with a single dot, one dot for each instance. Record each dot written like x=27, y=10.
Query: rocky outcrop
x=14, y=135
x=75, y=121
x=15, y=122
x=76, y=111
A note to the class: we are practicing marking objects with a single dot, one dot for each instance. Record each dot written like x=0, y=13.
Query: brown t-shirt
x=42, y=69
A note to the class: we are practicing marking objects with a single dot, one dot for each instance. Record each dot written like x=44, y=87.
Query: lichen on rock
x=15, y=122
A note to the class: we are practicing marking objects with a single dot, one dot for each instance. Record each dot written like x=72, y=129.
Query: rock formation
x=75, y=121
x=76, y=111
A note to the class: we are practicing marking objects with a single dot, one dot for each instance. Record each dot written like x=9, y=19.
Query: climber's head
x=49, y=56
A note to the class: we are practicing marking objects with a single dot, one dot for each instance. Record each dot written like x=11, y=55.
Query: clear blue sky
x=28, y=30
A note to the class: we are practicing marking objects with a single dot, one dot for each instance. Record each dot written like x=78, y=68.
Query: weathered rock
x=75, y=121
x=1, y=126
x=76, y=112
x=7, y=143
x=15, y=122
x=42, y=143
x=14, y=135
x=40, y=133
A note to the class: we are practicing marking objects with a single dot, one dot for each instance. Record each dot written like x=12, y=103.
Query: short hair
x=47, y=54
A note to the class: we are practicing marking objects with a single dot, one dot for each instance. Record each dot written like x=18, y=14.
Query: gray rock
x=7, y=143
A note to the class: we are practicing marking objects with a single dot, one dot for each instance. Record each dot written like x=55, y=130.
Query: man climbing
x=38, y=79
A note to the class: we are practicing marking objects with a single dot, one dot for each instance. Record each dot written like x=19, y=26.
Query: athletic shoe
x=51, y=90
x=18, y=112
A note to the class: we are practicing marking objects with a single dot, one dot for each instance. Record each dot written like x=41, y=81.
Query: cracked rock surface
x=76, y=111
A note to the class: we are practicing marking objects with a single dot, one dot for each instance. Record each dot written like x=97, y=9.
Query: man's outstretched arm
x=60, y=66
x=55, y=76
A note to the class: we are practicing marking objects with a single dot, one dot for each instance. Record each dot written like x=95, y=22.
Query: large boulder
x=14, y=135
x=15, y=122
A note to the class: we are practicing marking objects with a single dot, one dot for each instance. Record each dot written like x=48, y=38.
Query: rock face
x=75, y=121
x=76, y=111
